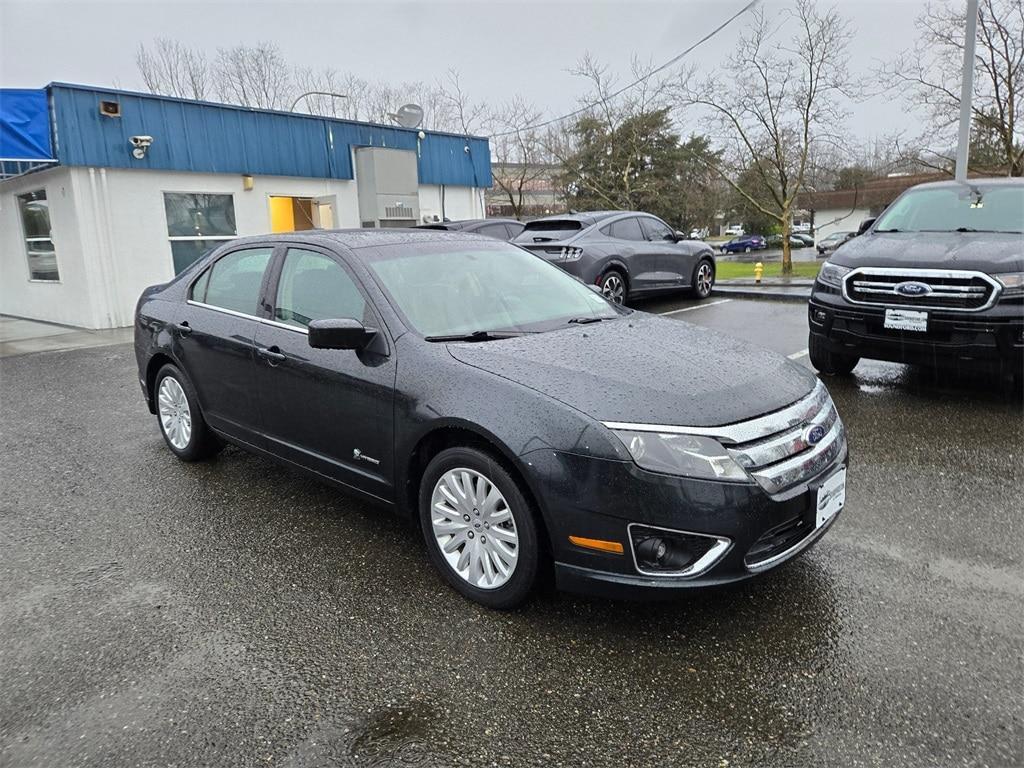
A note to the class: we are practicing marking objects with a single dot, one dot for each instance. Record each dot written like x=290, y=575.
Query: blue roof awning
x=24, y=124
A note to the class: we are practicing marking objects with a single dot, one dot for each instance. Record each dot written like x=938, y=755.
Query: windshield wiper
x=585, y=320
x=878, y=231
x=477, y=336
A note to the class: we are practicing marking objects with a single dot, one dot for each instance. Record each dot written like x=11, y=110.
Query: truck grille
x=953, y=290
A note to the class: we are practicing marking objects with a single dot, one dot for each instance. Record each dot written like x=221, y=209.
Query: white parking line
x=797, y=355
x=699, y=306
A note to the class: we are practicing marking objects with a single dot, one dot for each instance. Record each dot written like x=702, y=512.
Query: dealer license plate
x=831, y=498
x=906, y=320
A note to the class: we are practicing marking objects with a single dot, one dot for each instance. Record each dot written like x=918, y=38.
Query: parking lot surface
x=232, y=613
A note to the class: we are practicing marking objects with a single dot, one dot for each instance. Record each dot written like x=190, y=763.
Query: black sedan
x=500, y=229
x=624, y=253
x=515, y=413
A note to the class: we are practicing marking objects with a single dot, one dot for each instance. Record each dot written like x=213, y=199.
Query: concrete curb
x=796, y=293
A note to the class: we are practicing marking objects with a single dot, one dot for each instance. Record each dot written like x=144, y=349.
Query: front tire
x=703, y=279
x=828, y=362
x=613, y=286
x=180, y=418
x=480, y=530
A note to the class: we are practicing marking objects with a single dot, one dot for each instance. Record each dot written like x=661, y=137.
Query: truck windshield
x=966, y=207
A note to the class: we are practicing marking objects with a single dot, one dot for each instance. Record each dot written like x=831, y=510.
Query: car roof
x=991, y=181
x=367, y=238
x=463, y=223
x=587, y=218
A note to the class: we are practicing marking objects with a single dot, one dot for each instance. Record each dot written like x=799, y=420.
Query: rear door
x=327, y=409
x=632, y=246
x=215, y=333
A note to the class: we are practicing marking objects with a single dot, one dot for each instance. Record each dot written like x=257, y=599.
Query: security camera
x=139, y=145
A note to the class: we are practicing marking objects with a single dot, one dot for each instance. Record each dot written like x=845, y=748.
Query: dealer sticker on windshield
x=906, y=320
x=831, y=498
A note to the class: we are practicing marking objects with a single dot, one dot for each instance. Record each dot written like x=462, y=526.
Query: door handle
x=272, y=353
x=183, y=328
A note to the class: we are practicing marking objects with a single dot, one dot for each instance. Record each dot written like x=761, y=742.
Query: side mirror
x=678, y=236
x=339, y=334
x=865, y=226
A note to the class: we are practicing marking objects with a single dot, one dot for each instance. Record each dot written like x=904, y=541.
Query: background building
x=89, y=215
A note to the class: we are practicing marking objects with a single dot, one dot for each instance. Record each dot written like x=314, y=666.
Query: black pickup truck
x=937, y=280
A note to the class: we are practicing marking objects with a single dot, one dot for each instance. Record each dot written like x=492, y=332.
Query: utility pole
x=967, y=90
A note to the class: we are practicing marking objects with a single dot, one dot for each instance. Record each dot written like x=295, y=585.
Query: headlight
x=832, y=274
x=686, y=455
x=1013, y=283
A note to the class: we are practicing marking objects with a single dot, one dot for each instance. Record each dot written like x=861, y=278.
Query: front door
x=215, y=333
x=327, y=409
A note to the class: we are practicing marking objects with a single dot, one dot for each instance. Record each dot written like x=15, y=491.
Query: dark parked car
x=625, y=253
x=513, y=412
x=937, y=280
x=795, y=241
x=500, y=229
x=745, y=244
x=807, y=240
x=833, y=241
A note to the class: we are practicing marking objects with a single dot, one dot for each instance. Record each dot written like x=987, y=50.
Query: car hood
x=983, y=251
x=646, y=369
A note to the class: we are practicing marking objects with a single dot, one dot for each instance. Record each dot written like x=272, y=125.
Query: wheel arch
x=156, y=362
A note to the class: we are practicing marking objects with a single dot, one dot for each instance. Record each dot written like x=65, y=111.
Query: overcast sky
x=499, y=48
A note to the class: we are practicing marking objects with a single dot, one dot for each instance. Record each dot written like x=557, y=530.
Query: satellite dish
x=409, y=116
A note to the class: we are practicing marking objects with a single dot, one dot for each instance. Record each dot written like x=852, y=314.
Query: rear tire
x=703, y=280
x=614, y=287
x=466, y=497
x=828, y=362
x=180, y=418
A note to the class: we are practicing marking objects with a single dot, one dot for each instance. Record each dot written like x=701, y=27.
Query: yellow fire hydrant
x=758, y=271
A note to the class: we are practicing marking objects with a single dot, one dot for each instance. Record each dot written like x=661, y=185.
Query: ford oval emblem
x=912, y=288
x=814, y=434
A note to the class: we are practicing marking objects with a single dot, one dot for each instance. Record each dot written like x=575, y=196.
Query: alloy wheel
x=613, y=288
x=175, y=415
x=705, y=279
x=473, y=526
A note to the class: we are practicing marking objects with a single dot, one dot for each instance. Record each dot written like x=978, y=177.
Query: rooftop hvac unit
x=388, y=187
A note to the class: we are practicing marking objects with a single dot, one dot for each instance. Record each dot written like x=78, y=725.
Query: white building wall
x=828, y=221
x=109, y=228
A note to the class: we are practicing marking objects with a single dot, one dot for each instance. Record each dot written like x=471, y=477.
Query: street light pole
x=324, y=93
x=967, y=90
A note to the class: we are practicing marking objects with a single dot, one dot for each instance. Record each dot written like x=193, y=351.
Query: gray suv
x=625, y=253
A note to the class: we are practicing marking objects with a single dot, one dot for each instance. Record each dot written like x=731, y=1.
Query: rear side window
x=314, y=286
x=550, y=229
x=493, y=230
x=626, y=229
x=234, y=281
x=514, y=229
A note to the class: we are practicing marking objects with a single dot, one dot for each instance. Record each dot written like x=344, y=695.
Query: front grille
x=784, y=450
x=777, y=540
x=954, y=290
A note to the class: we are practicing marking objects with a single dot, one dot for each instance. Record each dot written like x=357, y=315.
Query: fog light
x=662, y=552
x=819, y=316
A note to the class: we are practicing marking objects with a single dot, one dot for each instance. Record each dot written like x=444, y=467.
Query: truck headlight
x=832, y=274
x=1013, y=283
x=685, y=455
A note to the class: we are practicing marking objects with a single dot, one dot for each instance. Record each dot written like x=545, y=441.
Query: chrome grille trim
x=859, y=279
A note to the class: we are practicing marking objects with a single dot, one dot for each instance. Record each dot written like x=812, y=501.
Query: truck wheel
x=828, y=362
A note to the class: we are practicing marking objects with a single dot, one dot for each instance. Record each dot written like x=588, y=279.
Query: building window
x=35, y=221
x=196, y=223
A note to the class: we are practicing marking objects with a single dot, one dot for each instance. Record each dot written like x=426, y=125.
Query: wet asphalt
x=232, y=613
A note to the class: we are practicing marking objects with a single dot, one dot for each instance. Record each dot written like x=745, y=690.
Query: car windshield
x=452, y=289
x=962, y=208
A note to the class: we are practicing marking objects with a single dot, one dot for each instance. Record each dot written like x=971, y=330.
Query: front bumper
x=599, y=499
x=990, y=339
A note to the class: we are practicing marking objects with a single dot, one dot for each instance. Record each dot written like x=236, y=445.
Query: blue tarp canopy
x=24, y=125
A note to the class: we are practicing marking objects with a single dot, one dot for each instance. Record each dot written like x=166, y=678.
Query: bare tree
x=253, y=76
x=520, y=159
x=776, y=100
x=172, y=69
x=930, y=75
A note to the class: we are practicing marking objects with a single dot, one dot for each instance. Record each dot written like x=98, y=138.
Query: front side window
x=656, y=230
x=197, y=223
x=35, y=222
x=444, y=289
x=965, y=207
x=314, y=286
x=233, y=282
